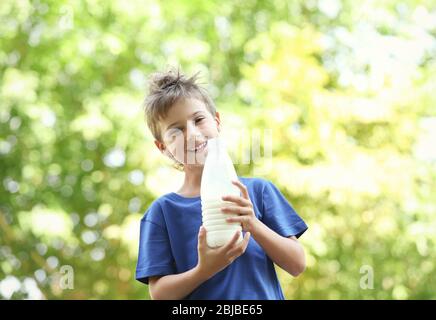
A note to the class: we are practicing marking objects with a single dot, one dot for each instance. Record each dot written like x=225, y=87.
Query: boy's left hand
x=243, y=207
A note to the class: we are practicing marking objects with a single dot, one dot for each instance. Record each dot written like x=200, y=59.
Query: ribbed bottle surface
x=216, y=181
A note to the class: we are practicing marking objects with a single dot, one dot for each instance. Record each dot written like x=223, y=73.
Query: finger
x=237, y=210
x=240, y=249
x=240, y=219
x=202, y=237
x=232, y=242
x=241, y=187
x=238, y=200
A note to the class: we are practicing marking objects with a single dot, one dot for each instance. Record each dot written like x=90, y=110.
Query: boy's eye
x=173, y=134
x=198, y=120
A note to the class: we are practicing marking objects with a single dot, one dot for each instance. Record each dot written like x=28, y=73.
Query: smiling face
x=185, y=131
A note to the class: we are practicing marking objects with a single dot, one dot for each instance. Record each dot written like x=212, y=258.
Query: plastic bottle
x=216, y=181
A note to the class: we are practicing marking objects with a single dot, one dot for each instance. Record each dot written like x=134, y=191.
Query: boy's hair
x=165, y=89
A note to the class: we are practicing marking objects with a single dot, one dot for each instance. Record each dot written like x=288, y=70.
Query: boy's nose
x=192, y=132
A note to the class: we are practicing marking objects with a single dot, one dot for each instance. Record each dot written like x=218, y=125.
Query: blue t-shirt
x=169, y=238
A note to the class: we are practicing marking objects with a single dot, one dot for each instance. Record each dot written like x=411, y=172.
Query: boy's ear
x=160, y=145
x=218, y=120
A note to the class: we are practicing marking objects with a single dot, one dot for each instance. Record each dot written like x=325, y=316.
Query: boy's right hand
x=213, y=260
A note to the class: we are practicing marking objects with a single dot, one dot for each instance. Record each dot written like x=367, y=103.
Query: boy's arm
x=176, y=286
x=287, y=253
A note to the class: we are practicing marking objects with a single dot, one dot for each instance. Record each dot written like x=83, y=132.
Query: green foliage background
x=347, y=88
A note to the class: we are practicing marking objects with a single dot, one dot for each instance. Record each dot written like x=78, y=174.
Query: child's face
x=186, y=129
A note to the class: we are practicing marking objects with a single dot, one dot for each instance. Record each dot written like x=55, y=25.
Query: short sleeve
x=154, y=256
x=278, y=213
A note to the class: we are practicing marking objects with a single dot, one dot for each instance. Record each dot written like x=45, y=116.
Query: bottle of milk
x=216, y=181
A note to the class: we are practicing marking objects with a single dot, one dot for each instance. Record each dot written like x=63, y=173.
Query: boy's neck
x=191, y=184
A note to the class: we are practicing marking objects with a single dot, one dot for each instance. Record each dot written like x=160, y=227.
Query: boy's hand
x=243, y=207
x=213, y=260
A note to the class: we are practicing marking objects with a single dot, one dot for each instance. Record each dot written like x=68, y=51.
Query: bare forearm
x=287, y=253
x=177, y=286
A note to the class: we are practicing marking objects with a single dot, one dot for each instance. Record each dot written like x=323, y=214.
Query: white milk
x=216, y=181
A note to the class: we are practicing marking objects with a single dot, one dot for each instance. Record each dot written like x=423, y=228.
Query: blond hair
x=165, y=89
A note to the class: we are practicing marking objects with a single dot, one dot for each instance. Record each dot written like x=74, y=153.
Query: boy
x=174, y=258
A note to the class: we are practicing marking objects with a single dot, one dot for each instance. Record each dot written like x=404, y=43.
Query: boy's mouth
x=199, y=147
